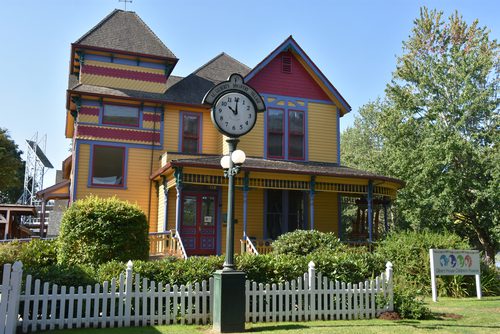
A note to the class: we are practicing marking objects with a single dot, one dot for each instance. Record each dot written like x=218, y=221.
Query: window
x=108, y=164
x=284, y=212
x=296, y=135
x=120, y=115
x=285, y=135
x=275, y=130
x=191, y=125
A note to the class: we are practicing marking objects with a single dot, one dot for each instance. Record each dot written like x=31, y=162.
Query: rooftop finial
x=125, y=3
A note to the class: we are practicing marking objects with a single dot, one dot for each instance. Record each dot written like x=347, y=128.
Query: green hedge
x=97, y=230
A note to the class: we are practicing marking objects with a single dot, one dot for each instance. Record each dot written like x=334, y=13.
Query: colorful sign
x=447, y=262
x=455, y=262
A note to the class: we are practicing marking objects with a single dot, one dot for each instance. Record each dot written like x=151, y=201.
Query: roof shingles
x=125, y=31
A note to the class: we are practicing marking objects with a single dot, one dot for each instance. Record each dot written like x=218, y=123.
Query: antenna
x=125, y=3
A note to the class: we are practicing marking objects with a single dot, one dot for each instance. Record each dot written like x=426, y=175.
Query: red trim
x=151, y=117
x=282, y=133
x=122, y=184
x=136, y=125
x=124, y=74
x=89, y=111
x=119, y=134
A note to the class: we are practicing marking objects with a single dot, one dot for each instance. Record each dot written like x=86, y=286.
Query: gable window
x=191, y=128
x=275, y=130
x=108, y=165
x=285, y=134
x=296, y=135
x=120, y=115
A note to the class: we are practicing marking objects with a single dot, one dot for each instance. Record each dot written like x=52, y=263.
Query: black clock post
x=234, y=113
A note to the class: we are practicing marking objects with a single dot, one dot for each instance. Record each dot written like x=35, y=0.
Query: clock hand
x=234, y=111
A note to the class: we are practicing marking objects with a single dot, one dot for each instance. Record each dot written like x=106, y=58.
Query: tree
x=440, y=129
x=11, y=169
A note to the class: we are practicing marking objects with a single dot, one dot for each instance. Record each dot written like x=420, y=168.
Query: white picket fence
x=132, y=301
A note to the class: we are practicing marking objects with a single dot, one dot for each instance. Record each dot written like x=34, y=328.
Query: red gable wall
x=298, y=83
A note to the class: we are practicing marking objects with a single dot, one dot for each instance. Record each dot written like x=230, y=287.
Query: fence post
x=5, y=296
x=390, y=292
x=312, y=276
x=128, y=293
x=14, y=294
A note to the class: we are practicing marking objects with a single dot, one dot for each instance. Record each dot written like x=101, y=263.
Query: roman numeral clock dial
x=234, y=114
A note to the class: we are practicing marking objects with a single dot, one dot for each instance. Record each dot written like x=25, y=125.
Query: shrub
x=61, y=274
x=409, y=253
x=97, y=230
x=38, y=253
x=409, y=306
x=304, y=242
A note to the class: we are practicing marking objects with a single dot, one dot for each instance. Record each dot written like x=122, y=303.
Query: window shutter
x=286, y=64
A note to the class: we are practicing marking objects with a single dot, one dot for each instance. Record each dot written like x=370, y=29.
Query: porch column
x=165, y=204
x=312, y=192
x=246, y=188
x=178, y=187
x=370, y=210
x=386, y=223
x=42, y=218
x=7, y=225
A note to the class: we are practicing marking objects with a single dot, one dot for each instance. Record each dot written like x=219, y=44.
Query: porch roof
x=278, y=166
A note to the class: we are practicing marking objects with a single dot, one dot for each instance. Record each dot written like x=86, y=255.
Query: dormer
x=122, y=52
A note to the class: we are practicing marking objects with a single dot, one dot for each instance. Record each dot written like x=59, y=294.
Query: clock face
x=234, y=114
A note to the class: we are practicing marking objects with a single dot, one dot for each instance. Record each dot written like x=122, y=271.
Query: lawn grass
x=468, y=315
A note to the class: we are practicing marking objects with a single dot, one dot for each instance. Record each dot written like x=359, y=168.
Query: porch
x=272, y=198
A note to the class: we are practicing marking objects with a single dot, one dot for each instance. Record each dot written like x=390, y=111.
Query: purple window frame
x=303, y=134
x=122, y=185
x=121, y=105
x=283, y=148
x=182, y=135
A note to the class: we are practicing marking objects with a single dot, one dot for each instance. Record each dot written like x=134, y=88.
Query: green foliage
x=410, y=306
x=437, y=129
x=62, y=274
x=409, y=254
x=304, y=242
x=97, y=230
x=11, y=169
x=35, y=253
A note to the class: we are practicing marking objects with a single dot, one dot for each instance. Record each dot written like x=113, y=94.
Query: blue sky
x=354, y=43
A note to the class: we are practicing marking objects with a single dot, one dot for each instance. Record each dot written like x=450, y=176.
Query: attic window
x=286, y=64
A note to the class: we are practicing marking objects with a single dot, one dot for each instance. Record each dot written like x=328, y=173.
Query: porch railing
x=256, y=246
x=166, y=243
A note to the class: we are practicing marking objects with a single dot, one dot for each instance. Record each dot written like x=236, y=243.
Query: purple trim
x=284, y=139
x=303, y=135
x=199, y=115
x=91, y=168
x=288, y=44
x=127, y=145
x=75, y=176
x=338, y=136
x=124, y=61
x=139, y=115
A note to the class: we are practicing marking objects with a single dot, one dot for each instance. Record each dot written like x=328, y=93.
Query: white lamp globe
x=238, y=157
x=225, y=162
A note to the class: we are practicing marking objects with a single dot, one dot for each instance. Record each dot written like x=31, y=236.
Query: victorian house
x=142, y=134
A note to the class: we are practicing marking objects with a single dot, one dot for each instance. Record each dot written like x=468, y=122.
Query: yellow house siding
x=322, y=132
x=253, y=143
x=137, y=181
x=172, y=198
x=211, y=137
x=255, y=213
x=171, y=130
x=325, y=212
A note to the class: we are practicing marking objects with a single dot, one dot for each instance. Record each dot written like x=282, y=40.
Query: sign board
x=449, y=262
